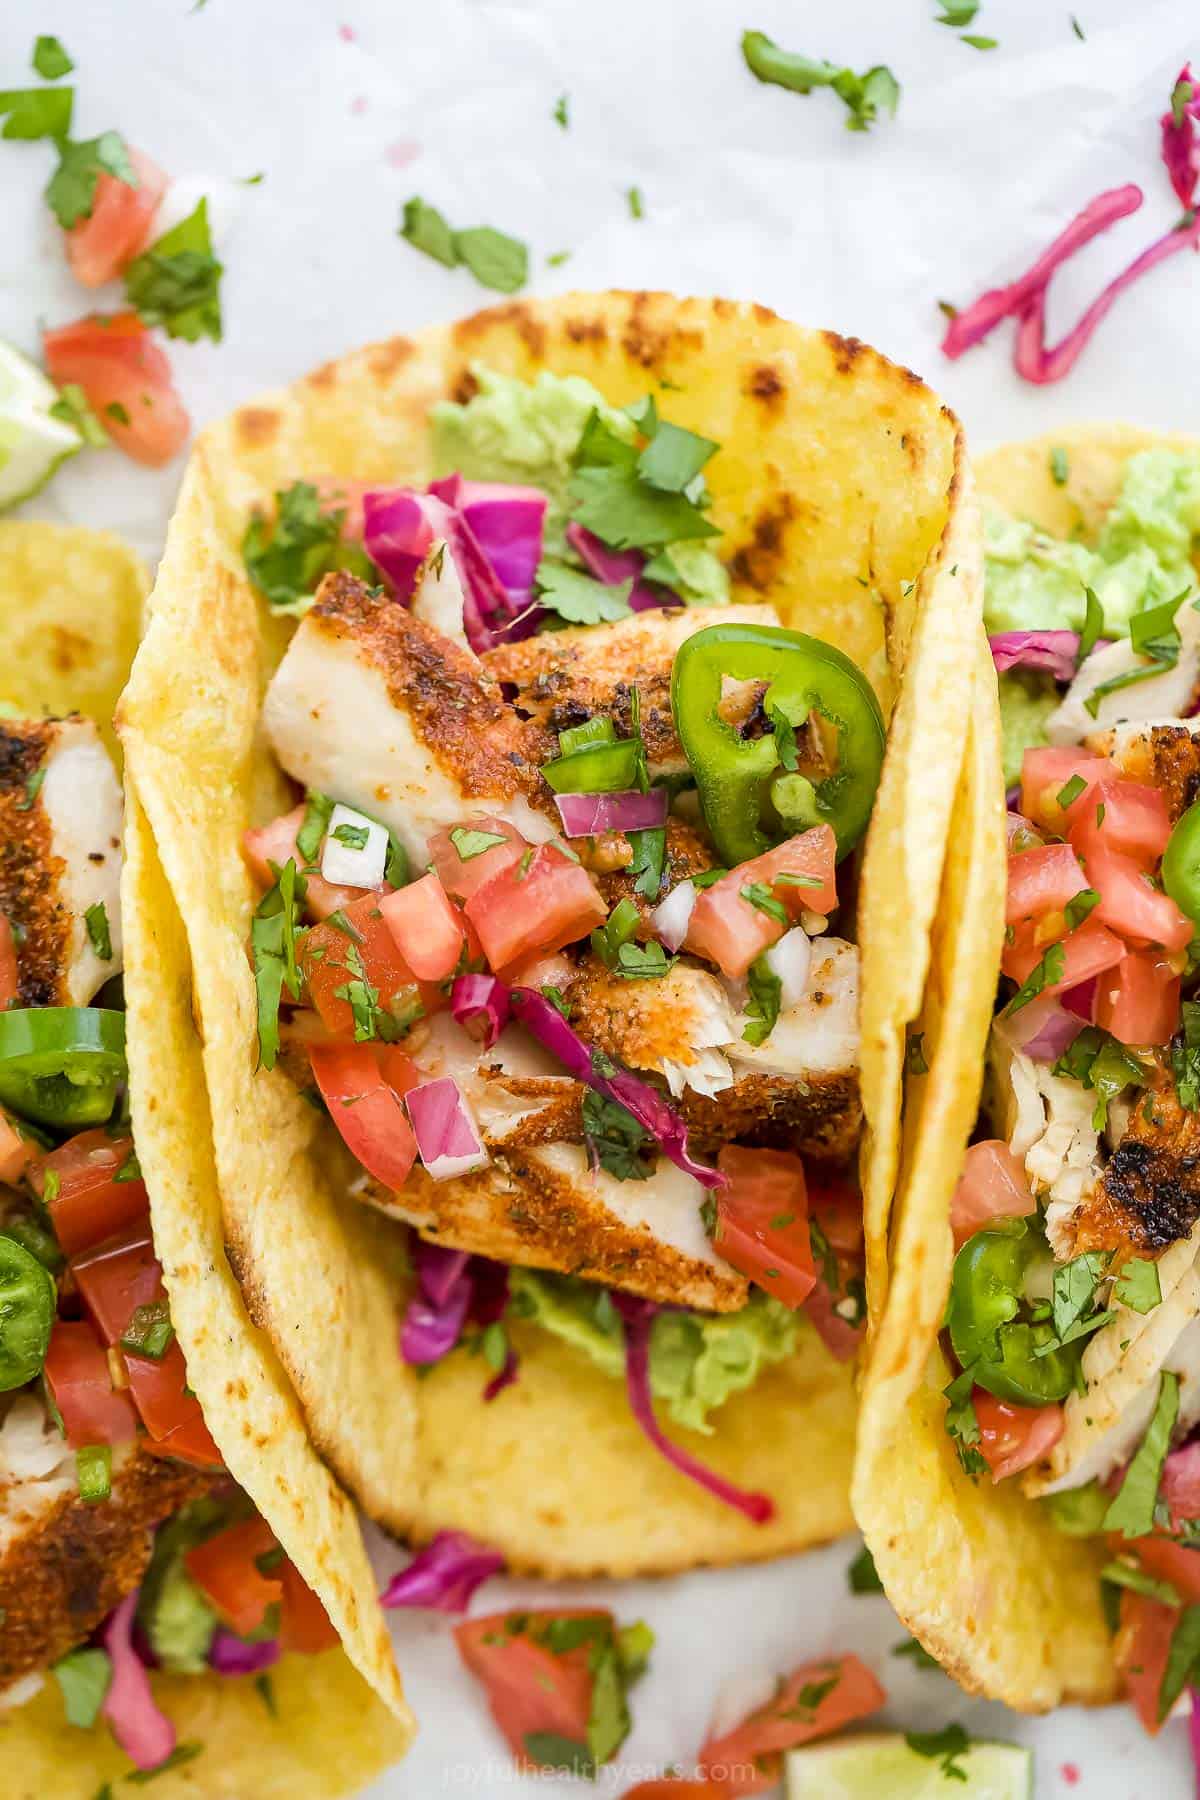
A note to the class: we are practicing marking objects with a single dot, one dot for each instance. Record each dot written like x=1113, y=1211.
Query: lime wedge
x=32, y=443
x=880, y=1766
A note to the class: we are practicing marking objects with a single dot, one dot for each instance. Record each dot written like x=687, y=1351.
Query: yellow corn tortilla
x=328, y=1735
x=844, y=497
x=1007, y=1603
x=72, y=602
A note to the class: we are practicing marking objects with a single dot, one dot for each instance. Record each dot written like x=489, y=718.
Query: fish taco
x=1036, y=1407
x=130, y=1538
x=549, y=725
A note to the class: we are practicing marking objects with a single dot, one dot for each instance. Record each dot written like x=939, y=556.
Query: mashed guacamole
x=1036, y=582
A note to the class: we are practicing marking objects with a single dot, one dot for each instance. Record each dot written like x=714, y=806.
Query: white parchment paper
x=348, y=107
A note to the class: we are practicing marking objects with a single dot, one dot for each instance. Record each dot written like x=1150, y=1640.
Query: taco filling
x=115, y=1512
x=1074, y=1310
x=560, y=928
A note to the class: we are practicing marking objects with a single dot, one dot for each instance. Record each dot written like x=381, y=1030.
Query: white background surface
x=348, y=107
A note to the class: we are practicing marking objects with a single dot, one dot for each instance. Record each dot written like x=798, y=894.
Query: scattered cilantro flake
x=962, y=1425
x=1044, y=973
x=915, y=1651
x=471, y=843
x=945, y=1746
x=84, y=1677
x=635, y=203
x=317, y=810
x=73, y=409
x=354, y=837
x=1093, y=625
x=1132, y=1512
x=1138, y=1286
x=33, y=787
x=50, y=59
x=1099, y=1062
x=916, y=1061
x=496, y=260
x=642, y=961
x=579, y=598
x=1070, y=791
x=674, y=457
x=557, y=999
x=1182, y=1658
x=562, y=113
x=979, y=43
x=957, y=13
x=762, y=897
x=1079, y=906
x=616, y=1140
x=550, y=1750
x=36, y=112
x=648, y=860
x=176, y=283
x=71, y=190
x=273, y=948
x=1060, y=467
x=785, y=739
x=1154, y=635
x=182, y=1753
x=1077, y=28
x=865, y=96
x=287, y=557
x=1073, y=1298
x=765, y=1001
x=557, y=260
x=149, y=1331
x=96, y=920
x=824, y=1255
x=862, y=1577
x=1185, y=1058
x=426, y=230
x=610, y=495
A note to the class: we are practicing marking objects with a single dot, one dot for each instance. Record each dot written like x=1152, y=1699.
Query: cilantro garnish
x=1185, y=1058
x=354, y=837
x=71, y=190
x=635, y=203
x=674, y=457
x=578, y=598
x=557, y=999
x=1073, y=1300
x=962, y=1425
x=1132, y=1576
x=862, y=1577
x=37, y=112
x=608, y=939
x=1060, y=468
x=648, y=860
x=130, y=1169
x=84, y=1677
x=1044, y=973
x=865, y=96
x=915, y=1061
x=1153, y=635
x=50, y=60
x=979, y=43
x=149, y=1331
x=96, y=920
x=612, y=494
x=639, y=961
x=286, y=558
x=823, y=1253
x=1070, y=791
x=561, y=114
x=33, y=787
x=759, y=895
x=496, y=260
x=273, y=947
x=1079, y=906
x=957, y=13
x=1099, y=1062
x=1077, y=28
x=1138, y=1286
x=945, y=1746
x=615, y=1660
x=317, y=810
x=1132, y=1512
x=176, y=283
x=618, y=1143
x=471, y=843
x=915, y=1651
x=1182, y=1659
x=763, y=1005
x=182, y=1753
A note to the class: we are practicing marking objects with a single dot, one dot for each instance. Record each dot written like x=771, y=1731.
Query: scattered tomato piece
x=78, y=1375
x=428, y=930
x=535, y=906
x=1138, y=1001
x=816, y=1699
x=79, y=1183
x=119, y=224
x=762, y=1221
x=732, y=931
x=304, y=1625
x=126, y=379
x=225, y=1569
x=1011, y=1438
x=276, y=843
x=993, y=1185
x=1142, y=1646
x=366, y=1109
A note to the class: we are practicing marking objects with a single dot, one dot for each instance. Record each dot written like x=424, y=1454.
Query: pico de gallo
x=98, y=1425
x=1072, y=1310
x=575, y=933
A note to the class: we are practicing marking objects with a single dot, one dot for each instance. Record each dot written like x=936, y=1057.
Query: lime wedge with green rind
x=32, y=441
x=881, y=1766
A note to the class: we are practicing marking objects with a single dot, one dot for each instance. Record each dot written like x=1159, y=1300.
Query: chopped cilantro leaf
x=648, y=860
x=864, y=96
x=1182, y=1659
x=471, y=843
x=1185, y=1058
x=286, y=558
x=354, y=837
x=1070, y=791
x=84, y=1677
x=962, y=1424
x=273, y=948
x=1093, y=624
x=562, y=115
x=71, y=190
x=609, y=939
x=862, y=1577
x=635, y=203
x=945, y=1746
x=1154, y=635
x=957, y=13
x=426, y=230
x=619, y=1144
x=579, y=598
x=496, y=260
x=1060, y=468
x=759, y=895
x=149, y=1331
x=639, y=961
x=317, y=809
x=764, y=1003
x=915, y=1651
x=1079, y=906
x=1073, y=1297
x=176, y=283
x=1132, y=1512
x=610, y=495
x=1077, y=28
x=96, y=920
x=550, y=1750
x=1138, y=1286
x=1044, y=973
x=979, y=43
x=36, y=112
x=50, y=60
x=33, y=787
x=674, y=457
x=1132, y=1576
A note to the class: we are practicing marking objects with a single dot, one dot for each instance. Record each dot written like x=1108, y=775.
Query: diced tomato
x=118, y=225
x=1138, y=1001
x=1126, y=816
x=428, y=931
x=993, y=1185
x=1180, y=1486
x=9, y=979
x=77, y=1372
x=1130, y=905
x=117, y=1277
x=1040, y=883
x=815, y=1700
x=731, y=931
x=332, y=957
x=304, y=1625
x=538, y=971
x=16, y=1152
x=275, y=843
x=529, y=1687
x=1086, y=951
x=1045, y=772
x=544, y=907
x=839, y=1336
x=1013, y=1437
x=79, y=1182
x=762, y=1221
x=1142, y=1646
x=837, y=1207
x=367, y=1109
x=460, y=877
x=126, y=379
x=169, y=1412
x=1163, y=1558
x=225, y=1569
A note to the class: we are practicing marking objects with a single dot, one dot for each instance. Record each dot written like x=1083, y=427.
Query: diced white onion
x=791, y=960
x=345, y=866
x=672, y=916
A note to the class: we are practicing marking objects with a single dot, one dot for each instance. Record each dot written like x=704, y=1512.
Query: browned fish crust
x=687, y=854
x=458, y=711
x=30, y=874
x=60, y=1578
x=1149, y=1195
x=1166, y=757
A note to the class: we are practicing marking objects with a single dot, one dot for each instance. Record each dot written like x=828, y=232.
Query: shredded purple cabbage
x=652, y=1111
x=444, y=1576
x=142, y=1729
x=614, y=567
x=229, y=1654
x=400, y=527
x=507, y=522
x=1055, y=651
x=480, y=1005
x=437, y=1312
x=637, y=1316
